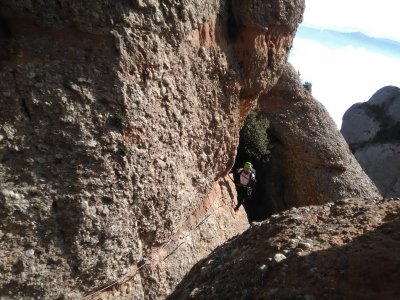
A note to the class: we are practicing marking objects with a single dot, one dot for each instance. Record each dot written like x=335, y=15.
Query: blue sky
x=348, y=50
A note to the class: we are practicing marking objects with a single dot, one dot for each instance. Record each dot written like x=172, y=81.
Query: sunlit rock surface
x=372, y=130
x=117, y=119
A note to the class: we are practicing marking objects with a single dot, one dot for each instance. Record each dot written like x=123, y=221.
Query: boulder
x=346, y=249
x=372, y=130
x=310, y=161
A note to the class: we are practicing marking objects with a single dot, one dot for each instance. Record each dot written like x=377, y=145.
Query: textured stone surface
x=310, y=160
x=117, y=119
x=205, y=229
x=348, y=249
x=372, y=130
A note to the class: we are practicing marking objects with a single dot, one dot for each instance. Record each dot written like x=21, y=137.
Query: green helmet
x=248, y=165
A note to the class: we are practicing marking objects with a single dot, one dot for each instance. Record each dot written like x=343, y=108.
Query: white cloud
x=343, y=76
x=374, y=18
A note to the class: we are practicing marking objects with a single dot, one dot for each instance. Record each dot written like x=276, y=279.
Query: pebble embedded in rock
x=279, y=257
x=304, y=245
x=263, y=268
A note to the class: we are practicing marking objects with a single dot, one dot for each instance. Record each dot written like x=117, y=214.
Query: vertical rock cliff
x=117, y=119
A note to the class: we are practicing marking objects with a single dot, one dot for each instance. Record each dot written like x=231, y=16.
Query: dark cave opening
x=256, y=146
x=232, y=25
x=5, y=35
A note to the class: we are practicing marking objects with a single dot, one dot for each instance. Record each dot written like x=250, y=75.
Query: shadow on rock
x=252, y=267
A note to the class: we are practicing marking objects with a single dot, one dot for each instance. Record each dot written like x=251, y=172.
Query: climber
x=244, y=181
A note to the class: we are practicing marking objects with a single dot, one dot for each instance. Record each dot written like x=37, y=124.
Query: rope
x=131, y=274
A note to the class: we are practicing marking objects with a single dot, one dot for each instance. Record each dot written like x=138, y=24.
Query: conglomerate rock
x=348, y=249
x=310, y=160
x=372, y=130
x=117, y=118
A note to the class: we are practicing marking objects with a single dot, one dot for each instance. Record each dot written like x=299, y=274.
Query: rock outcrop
x=372, y=130
x=117, y=119
x=343, y=250
x=310, y=160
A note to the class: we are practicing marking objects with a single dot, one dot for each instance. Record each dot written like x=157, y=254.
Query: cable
x=132, y=273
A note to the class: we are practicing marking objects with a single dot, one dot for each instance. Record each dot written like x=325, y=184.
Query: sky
x=348, y=49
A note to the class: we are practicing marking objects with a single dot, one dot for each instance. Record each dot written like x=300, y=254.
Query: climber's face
x=246, y=170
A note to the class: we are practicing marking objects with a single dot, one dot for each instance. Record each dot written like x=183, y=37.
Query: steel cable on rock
x=132, y=273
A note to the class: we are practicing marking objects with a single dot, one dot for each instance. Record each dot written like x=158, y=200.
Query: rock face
x=310, y=160
x=372, y=130
x=343, y=250
x=212, y=222
x=117, y=119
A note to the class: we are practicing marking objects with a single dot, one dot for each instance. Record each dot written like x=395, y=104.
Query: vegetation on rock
x=253, y=142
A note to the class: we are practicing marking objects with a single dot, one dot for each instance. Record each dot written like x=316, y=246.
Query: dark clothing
x=242, y=195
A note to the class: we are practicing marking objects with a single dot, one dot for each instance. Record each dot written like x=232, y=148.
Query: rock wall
x=310, y=161
x=372, y=130
x=117, y=119
x=210, y=224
